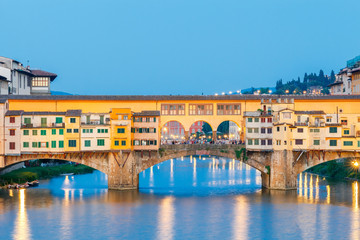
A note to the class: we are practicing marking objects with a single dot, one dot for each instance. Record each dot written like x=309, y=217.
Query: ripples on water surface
x=188, y=198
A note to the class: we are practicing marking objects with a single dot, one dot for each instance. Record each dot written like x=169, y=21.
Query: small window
x=12, y=145
x=256, y=119
x=25, y=144
x=346, y=132
x=269, y=130
x=250, y=130
x=26, y=132
x=121, y=130
x=87, y=143
x=34, y=132
x=69, y=130
x=116, y=143
x=348, y=143
x=61, y=131
x=12, y=132
x=250, y=119
x=333, y=129
x=53, y=131
x=263, y=130
x=12, y=119
x=72, y=143
x=27, y=120
x=333, y=143
x=278, y=129
x=61, y=144
x=123, y=143
x=34, y=144
x=76, y=130
x=256, y=141
x=58, y=120
x=72, y=120
x=298, y=142
x=250, y=141
x=101, y=142
x=53, y=144
x=316, y=142
x=269, y=141
x=43, y=132
x=300, y=130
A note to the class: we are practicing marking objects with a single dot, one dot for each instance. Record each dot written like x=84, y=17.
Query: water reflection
x=166, y=219
x=216, y=198
x=21, y=228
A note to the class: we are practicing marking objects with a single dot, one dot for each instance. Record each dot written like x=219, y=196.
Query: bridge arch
x=229, y=129
x=172, y=130
x=226, y=151
x=97, y=162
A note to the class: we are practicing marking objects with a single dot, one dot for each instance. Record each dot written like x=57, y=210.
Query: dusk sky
x=179, y=46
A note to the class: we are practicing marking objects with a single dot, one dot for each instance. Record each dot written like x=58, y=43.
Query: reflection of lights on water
x=317, y=189
x=172, y=171
x=194, y=172
x=241, y=221
x=151, y=177
x=22, y=230
x=11, y=194
x=356, y=213
x=305, y=186
x=328, y=194
x=311, y=187
x=300, y=185
x=166, y=219
x=355, y=190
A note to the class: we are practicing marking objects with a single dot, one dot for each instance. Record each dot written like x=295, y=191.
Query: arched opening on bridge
x=228, y=132
x=31, y=169
x=321, y=183
x=200, y=174
x=172, y=132
x=201, y=132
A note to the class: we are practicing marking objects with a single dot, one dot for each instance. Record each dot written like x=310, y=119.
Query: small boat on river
x=66, y=174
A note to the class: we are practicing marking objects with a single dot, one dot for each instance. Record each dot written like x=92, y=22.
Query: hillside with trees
x=309, y=80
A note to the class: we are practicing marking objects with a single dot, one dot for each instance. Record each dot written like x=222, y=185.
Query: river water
x=189, y=198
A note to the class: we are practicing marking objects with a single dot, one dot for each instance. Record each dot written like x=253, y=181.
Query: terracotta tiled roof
x=44, y=113
x=147, y=113
x=310, y=112
x=41, y=73
x=73, y=113
x=14, y=113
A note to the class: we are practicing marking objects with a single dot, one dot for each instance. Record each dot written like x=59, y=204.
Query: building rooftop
x=44, y=113
x=73, y=113
x=177, y=97
x=14, y=113
x=147, y=113
x=310, y=112
x=41, y=73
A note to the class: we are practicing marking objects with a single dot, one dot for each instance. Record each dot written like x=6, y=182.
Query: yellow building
x=72, y=130
x=121, y=125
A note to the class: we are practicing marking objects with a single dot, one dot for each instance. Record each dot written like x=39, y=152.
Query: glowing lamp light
x=356, y=164
x=223, y=93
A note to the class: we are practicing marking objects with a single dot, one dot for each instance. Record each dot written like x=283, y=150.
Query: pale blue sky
x=178, y=46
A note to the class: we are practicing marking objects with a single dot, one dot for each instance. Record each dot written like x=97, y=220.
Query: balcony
x=96, y=122
x=50, y=125
x=299, y=124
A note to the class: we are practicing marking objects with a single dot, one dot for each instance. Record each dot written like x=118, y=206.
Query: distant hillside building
x=15, y=79
x=348, y=79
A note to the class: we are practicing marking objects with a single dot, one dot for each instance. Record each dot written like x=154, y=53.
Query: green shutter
x=61, y=131
x=87, y=143
x=53, y=131
x=34, y=132
x=61, y=144
x=26, y=144
x=58, y=120
x=53, y=144
x=26, y=132
x=43, y=132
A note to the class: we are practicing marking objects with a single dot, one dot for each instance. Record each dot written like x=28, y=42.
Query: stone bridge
x=279, y=169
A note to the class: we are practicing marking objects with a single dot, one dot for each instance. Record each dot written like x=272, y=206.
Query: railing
x=301, y=124
x=201, y=146
x=50, y=125
x=96, y=123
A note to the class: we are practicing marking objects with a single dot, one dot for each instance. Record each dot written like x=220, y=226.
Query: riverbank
x=31, y=173
x=340, y=169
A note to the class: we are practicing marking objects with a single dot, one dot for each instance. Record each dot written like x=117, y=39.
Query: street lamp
x=270, y=91
x=286, y=91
